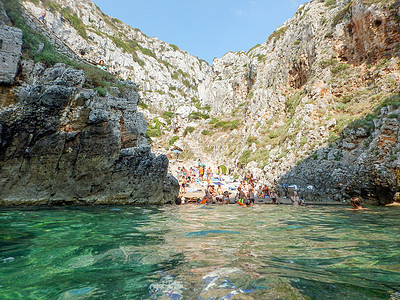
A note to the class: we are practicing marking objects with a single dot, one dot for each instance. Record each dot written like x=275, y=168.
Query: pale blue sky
x=204, y=28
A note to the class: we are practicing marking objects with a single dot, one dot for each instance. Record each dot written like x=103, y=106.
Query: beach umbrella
x=218, y=183
x=176, y=151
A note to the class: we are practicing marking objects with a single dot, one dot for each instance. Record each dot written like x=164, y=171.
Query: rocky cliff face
x=363, y=162
x=61, y=143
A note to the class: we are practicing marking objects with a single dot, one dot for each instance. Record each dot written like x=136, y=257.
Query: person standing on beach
x=273, y=196
x=250, y=197
x=201, y=173
x=241, y=196
x=209, y=173
x=295, y=198
x=183, y=185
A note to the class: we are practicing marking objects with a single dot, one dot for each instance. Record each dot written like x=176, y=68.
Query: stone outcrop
x=363, y=162
x=61, y=143
x=10, y=53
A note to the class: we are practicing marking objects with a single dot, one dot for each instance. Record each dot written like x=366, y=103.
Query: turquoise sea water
x=198, y=252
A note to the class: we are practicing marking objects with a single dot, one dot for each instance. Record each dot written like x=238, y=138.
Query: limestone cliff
x=167, y=77
x=330, y=65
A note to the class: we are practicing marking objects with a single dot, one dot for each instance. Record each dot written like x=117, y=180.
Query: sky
x=204, y=28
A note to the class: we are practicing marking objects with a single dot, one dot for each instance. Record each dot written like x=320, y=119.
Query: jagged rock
x=62, y=144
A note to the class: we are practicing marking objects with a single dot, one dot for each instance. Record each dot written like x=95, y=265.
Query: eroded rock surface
x=61, y=143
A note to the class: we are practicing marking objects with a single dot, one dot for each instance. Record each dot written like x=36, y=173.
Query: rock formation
x=61, y=143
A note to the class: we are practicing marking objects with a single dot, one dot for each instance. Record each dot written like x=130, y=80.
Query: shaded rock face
x=371, y=34
x=61, y=143
x=362, y=163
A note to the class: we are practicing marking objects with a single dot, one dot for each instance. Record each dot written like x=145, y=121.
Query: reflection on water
x=186, y=252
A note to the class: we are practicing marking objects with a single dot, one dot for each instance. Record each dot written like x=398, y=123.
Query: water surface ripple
x=186, y=252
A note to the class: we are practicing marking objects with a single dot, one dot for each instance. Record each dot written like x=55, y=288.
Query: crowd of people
x=243, y=192
x=246, y=190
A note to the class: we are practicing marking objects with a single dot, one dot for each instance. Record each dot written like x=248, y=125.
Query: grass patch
x=292, y=103
x=188, y=129
x=227, y=125
x=244, y=159
x=328, y=63
x=213, y=121
x=341, y=14
x=196, y=115
x=143, y=105
x=330, y=2
x=173, y=140
x=276, y=35
x=251, y=140
x=101, y=91
x=340, y=69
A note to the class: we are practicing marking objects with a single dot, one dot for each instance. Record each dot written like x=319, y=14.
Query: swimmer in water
x=355, y=202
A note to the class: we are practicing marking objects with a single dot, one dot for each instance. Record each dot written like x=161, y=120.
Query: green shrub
x=330, y=2
x=303, y=141
x=173, y=140
x=148, y=52
x=139, y=61
x=297, y=42
x=153, y=132
x=196, y=115
x=382, y=63
x=292, y=103
x=341, y=14
x=227, y=125
x=175, y=76
x=168, y=116
x=143, y=105
x=213, y=121
x=187, y=83
x=332, y=137
x=188, y=129
x=101, y=91
x=276, y=35
x=340, y=69
x=175, y=47
x=51, y=5
x=244, y=159
x=328, y=63
x=252, y=140
x=205, y=132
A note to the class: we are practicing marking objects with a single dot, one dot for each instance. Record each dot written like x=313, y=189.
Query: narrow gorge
x=316, y=105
